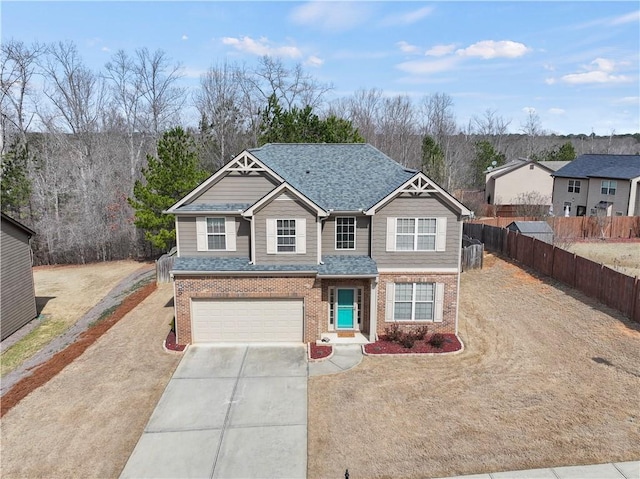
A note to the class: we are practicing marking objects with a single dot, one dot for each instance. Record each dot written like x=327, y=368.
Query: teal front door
x=346, y=313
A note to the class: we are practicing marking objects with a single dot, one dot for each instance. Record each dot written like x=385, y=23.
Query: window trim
x=415, y=302
x=438, y=303
x=355, y=221
x=202, y=233
x=612, y=185
x=300, y=246
x=574, y=186
x=416, y=234
x=294, y=236
x=441, y=235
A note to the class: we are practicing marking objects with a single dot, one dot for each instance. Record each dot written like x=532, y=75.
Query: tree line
x=75, y=142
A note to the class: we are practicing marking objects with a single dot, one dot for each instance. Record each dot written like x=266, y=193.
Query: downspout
x=459, y=274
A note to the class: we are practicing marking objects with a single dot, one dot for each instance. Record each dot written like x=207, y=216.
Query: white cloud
x=185, y=37
x=407, y=47
x=529, y=110
x=425, y=67
x=628, y=100
x=261, y=47
x=407, y=18
x=314, y=61
x=440, y=50
x=550, y=81
x=556, y=111
x=192, y=72
x=599, y=70
x=488, y=49
x=549, y=67
x=627, y=18
x=105, y=49
x=331, y=16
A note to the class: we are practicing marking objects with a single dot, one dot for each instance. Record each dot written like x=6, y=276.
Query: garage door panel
x=246, y=320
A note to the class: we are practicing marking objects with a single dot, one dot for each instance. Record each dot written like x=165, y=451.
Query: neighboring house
x=520, y=179
x=598, y=185
x=540, y=230
x=298, y=242
x=17, y=293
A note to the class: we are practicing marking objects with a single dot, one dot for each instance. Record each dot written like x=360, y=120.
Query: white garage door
x=246, y=320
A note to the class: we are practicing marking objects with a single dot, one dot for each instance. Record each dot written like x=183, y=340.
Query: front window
x=608, y=187
x=286, y=236
x=345, y=233
x=216, y=235
x=414, y=301
x=574, y=186
x=416, y=234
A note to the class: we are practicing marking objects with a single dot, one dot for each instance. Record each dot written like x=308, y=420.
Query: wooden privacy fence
x=164, y=265
x=612, y=288
x=579, y=226
x=472, y=253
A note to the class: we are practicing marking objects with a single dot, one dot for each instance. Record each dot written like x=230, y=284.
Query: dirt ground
x=548, y=378
x=86, y=421
x=623, y=257
x=67, y=292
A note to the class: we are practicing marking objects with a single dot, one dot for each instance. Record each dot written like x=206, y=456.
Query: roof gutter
x=241, y=273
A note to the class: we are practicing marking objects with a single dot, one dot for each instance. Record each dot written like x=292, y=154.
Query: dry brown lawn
x=548, y=378
x=86, y=420
x=623, y=257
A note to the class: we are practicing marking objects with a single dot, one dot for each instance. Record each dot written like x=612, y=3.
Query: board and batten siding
x=415, y=207
x=237, y=188
x=17, y=294
x=283, y=208
x=362, y=236
x=187, y=235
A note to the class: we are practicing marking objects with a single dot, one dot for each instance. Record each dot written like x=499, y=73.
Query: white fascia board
x=217, y=175
x=347, y=276
x=276, y=191
x=243, y=273
x=206, y=212
x=419, y=270
x=464, y=211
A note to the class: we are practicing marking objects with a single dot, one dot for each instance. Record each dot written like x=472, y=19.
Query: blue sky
x=575, y=63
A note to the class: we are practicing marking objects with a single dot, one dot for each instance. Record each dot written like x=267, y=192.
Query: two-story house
x=298, y=242
x=598, y=185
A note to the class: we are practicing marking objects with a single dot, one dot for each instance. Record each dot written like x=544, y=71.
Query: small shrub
x=420, y=333
x=437, y=340
x=393, y=333
x=407, y=340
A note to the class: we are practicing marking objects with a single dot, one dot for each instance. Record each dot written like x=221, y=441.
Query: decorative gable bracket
x=418, y=186
x=245, y=164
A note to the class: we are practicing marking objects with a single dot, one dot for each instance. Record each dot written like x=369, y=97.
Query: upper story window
x=345, y=233
x=216, y=233
x=286, y=236
x=416, y=234
x=608, y=187
x=574, y=186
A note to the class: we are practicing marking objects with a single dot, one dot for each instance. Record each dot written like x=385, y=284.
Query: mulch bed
x=319, y=351
x=43, y=373
x=382, y=346
x=170, y=343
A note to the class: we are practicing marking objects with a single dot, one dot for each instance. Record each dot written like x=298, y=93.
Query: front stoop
x=354, y=337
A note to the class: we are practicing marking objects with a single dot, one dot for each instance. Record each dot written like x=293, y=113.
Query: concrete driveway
x=229, y=412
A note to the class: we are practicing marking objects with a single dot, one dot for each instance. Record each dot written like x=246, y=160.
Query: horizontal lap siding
x=189, y=247
x=415, y=207
x=283, y=210
x=362, y=237
x=17, y=303
x=237, y=188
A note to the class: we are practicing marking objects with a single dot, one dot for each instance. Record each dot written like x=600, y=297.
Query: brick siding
x=450, y=304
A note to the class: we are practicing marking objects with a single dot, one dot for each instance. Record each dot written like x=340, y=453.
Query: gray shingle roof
x=213, y=207
x=602, y=166
x=347, y=265
x=340, y=177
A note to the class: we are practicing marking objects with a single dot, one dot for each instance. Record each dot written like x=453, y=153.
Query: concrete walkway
x=344, y=357
x=229, y=412
x=618, y=470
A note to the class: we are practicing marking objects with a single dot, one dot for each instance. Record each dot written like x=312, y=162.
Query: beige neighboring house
x=303, y=242
x=520, y=179
x=17, y=293
x=598, y=185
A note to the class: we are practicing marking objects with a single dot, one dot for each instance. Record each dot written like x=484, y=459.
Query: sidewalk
x=344, y=357
x=618, y=470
